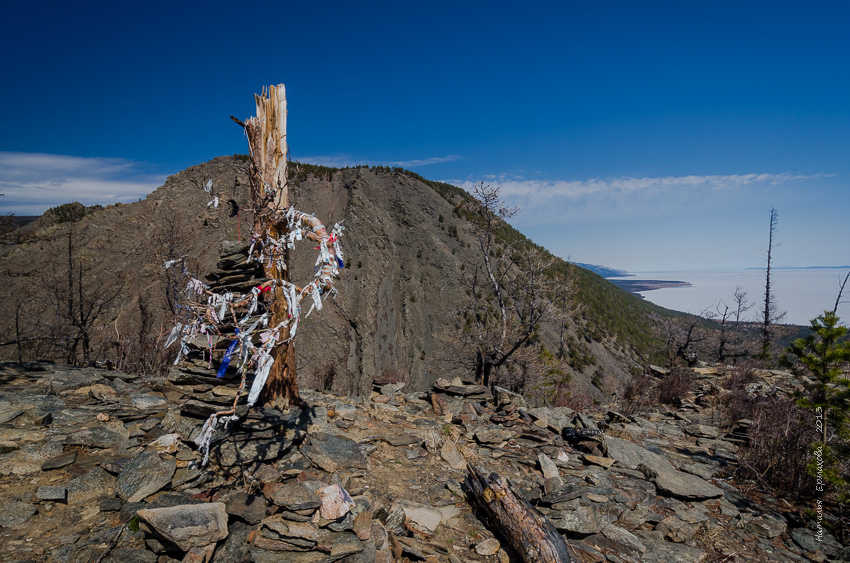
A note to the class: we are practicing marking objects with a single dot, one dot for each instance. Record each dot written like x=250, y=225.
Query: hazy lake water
x=804, y=294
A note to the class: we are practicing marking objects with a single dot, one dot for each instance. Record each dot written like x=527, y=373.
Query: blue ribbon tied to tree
x=225, y=361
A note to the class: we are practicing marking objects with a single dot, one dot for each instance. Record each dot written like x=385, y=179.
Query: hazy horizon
x=804, y=293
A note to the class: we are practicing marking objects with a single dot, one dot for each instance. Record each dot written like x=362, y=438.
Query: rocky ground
x=98, y=465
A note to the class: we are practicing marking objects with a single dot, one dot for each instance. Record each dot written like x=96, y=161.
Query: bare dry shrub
x=561, y=395
x=639, y=395
x=675, y=385
x=139, y=349
x=779, y=450
x=739, y=406
x=743, y=374
x=581, y=402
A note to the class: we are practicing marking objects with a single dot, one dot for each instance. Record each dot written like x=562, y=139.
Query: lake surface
x=804, y=294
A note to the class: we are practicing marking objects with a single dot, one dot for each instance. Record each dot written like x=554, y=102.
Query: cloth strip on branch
x=225, y=361
x=208, y=317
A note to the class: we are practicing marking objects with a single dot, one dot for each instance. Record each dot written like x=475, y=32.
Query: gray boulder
x=668, y=480
x=16, y=513
x=680, y=485
x=188, y=525
x=144, y=475
x=334, y=452
x=666, y=552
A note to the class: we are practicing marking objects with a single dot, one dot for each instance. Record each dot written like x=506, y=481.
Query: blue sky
x=643, y=136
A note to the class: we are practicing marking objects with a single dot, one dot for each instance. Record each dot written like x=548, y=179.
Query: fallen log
x=531, y=535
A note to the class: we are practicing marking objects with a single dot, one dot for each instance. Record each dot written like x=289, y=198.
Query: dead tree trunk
x=531, y=535
x=770, y=313
x=270, y=196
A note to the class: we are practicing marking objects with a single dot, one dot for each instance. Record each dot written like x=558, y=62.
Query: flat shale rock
x=630, y=455
x=680, y=485
x=605, y=462
x=493, y=435
x=576, y=518
x=59, y=461
x=766, y=526
x=622, y=540
x=606, y=506
x=451, y=455
x=292, y=496
x=98, y=437
x=144, y=475
x=190, y=525
x=332, y=452
x=668, y=480
x=700, y=470
x=304, y=534
x=547, y=466
x=166, y=500
x=52, y=493
x=198, y=409
x=459, y=388
x=808, y=540
x=26, y=458
x=424, y=515
x=236, y=548
x=677, y=530
x=666, y=552
x=488, y=547
x=130, y=555
x=446, y=405
x=16, y=513
x=250, y=508
x=92, y=484
x=702, y=431
x=8, y=415
x=401, y=440
x=339, y=545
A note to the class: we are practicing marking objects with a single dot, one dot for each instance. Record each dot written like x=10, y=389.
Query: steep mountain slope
x=406, y=247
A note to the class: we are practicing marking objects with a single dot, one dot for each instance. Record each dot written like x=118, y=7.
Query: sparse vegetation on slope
x=413, y=244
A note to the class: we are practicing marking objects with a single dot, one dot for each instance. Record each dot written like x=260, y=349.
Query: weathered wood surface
x=531, y=535
x=270, y=194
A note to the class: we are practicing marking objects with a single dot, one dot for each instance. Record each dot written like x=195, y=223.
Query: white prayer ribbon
x=175, y=333
x=261, y=374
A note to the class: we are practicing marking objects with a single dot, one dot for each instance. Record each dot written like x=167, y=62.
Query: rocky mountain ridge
x=406, y=248
x=99, y=465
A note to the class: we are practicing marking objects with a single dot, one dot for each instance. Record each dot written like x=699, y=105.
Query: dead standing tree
x=266, y=134
x=260, y=325
x=770, y=311
x=729, y=317
x=78, y=301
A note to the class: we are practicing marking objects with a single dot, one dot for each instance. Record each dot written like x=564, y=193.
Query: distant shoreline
x=805, y=268
x=636, y=286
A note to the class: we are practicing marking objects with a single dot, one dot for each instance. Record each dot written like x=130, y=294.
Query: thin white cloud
x=552, y=200
x=343, y=160
x=425, y=161
x=34, y=182
x=334, y=161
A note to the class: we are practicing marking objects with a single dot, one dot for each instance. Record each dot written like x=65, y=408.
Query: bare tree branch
x=841, y=286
